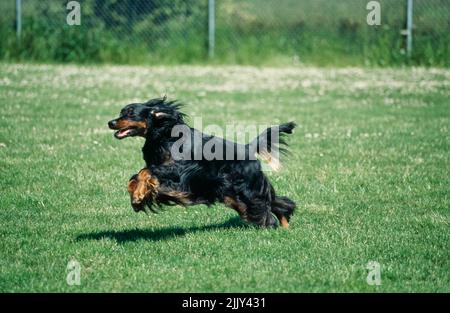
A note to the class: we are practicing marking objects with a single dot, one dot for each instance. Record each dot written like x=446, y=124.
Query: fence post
x=409, y=26
x=18, y=18
x=211, y=27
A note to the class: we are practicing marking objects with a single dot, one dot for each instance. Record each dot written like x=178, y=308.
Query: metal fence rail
x=235, y=31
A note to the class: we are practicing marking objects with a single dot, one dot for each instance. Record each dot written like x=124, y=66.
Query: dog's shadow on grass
x=159, y=234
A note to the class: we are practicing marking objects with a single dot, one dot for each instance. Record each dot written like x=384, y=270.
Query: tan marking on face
x=124, y=123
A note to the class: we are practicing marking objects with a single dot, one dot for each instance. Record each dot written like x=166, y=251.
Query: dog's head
x=146, y=119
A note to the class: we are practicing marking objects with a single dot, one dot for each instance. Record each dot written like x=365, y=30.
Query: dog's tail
x=270, y=143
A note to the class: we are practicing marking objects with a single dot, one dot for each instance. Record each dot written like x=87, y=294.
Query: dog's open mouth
x=126, y=132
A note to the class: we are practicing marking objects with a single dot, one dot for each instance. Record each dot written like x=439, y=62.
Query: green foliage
x=316, y=32
x=110, y=32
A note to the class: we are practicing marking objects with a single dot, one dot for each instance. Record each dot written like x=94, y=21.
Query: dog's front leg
x=143, y=189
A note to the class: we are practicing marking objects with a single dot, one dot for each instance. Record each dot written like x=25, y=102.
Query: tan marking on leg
x=132, y=184
x=284, y=222
x=179, y=196
x=240, y=207
x=146, y=186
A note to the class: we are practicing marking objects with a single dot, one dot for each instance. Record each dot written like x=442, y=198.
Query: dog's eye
x=126, y=112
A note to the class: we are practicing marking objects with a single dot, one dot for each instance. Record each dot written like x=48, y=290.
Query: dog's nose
x=112, y=124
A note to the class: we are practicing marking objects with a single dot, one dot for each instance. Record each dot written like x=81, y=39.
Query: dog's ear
x=159, y=114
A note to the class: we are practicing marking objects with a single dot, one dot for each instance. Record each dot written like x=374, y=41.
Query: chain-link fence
x=431, y=31
x=243, y=31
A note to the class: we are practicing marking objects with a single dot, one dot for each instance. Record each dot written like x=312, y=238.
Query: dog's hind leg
x=256, y=193
x=283, y=208
x=237, y=205
x=259, y=212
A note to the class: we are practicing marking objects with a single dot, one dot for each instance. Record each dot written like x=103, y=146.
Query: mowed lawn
x=369, y=170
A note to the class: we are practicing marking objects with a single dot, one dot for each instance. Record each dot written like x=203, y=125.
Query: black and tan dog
x=238, y=182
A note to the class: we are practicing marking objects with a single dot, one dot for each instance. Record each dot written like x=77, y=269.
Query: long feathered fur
x=240, y=184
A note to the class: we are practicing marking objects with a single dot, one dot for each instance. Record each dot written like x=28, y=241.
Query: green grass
x=369, y=170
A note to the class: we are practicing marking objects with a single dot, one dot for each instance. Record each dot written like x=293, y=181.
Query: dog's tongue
x=123, y=133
